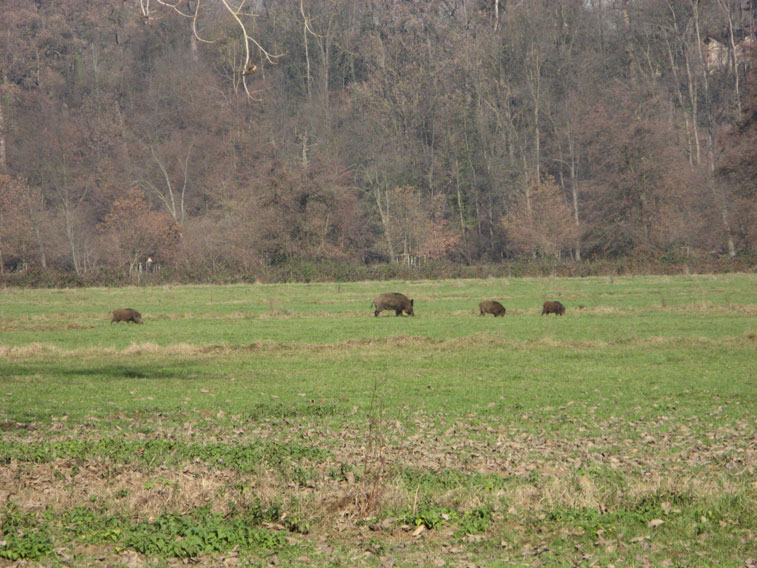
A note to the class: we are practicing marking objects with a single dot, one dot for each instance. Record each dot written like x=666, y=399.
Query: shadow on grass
x=41, y=371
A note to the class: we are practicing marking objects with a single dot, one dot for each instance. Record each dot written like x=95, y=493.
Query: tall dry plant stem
x=374, y=460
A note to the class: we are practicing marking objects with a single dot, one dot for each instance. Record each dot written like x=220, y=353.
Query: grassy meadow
x=258, y=425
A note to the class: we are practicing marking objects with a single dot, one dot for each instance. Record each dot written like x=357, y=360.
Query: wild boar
x=492, y=307
x=393, y=301
x=127, y=315
x=553, y=308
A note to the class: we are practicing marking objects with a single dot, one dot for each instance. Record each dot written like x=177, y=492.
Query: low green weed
x=201, y=532
x=152, y=453
x=475, y=521
x=22, y=537
x=430, y=517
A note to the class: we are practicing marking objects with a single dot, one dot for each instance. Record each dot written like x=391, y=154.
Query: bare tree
x=718, y=193
x=173, y=197
x=244, y=18
x=71, y=196
x=728, y=9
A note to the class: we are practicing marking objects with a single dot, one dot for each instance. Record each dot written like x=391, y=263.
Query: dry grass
x=37, y=349
x=542, y=472
x=144, y=492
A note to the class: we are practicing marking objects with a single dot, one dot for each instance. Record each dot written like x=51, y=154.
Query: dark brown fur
x=127, y=315
x=393, y=301
x=492, y=307
x=553, y=308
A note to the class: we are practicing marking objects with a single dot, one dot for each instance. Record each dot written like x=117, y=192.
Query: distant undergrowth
x=334, y=271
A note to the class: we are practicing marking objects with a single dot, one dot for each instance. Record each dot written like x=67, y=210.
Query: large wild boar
x=393, y=301
x=127, y=315
x=492, y=307
x=553, y=308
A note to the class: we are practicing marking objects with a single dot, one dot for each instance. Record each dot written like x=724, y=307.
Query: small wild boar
x=491, y=307
x=127, y=315
x=393, y=301
x=553, y=308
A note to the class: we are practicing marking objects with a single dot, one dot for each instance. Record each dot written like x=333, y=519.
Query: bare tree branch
x=193, y=17
x=248, y=39
x=248, y=67
x=168, y=196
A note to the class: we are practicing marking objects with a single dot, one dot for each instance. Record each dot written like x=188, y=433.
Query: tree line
x=219, y=137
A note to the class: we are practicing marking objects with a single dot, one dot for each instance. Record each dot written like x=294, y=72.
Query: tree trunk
x=71, y=236
x=537, y=132
x=694, y=106
x=574, y=192
x=734, y=55
x=34, y=219
x=307, y=51
x=123, y=133
x=384, y=214
x=679, y=96
x=720, y=198
x=460, y=210
x=304, y=160
x=3, y=158
x=41, y=243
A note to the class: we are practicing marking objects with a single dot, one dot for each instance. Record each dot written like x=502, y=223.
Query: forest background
x=344, y=139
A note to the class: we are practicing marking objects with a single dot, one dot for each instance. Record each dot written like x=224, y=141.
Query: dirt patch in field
x=205, y=316
x=599, y=310
x=67, y=483
x=49, y=322
x=279, y=313
x=48, y=327
x=744, y=309
x=706, y=308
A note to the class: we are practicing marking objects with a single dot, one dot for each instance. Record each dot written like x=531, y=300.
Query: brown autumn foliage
x=14, y=240
x=22, y=220
x=415, y=225
x=132, y=231
x=641, y=139
x=541, y=222
x=738, y=162
x=648, y=197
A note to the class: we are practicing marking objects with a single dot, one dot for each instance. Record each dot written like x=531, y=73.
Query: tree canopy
x=225, y=135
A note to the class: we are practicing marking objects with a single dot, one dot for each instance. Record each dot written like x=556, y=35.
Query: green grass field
x=285, y=425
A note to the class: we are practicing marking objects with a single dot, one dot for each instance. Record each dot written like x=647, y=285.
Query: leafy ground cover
x=285, y=425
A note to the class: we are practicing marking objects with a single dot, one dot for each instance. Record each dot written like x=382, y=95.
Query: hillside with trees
x=222, y=143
